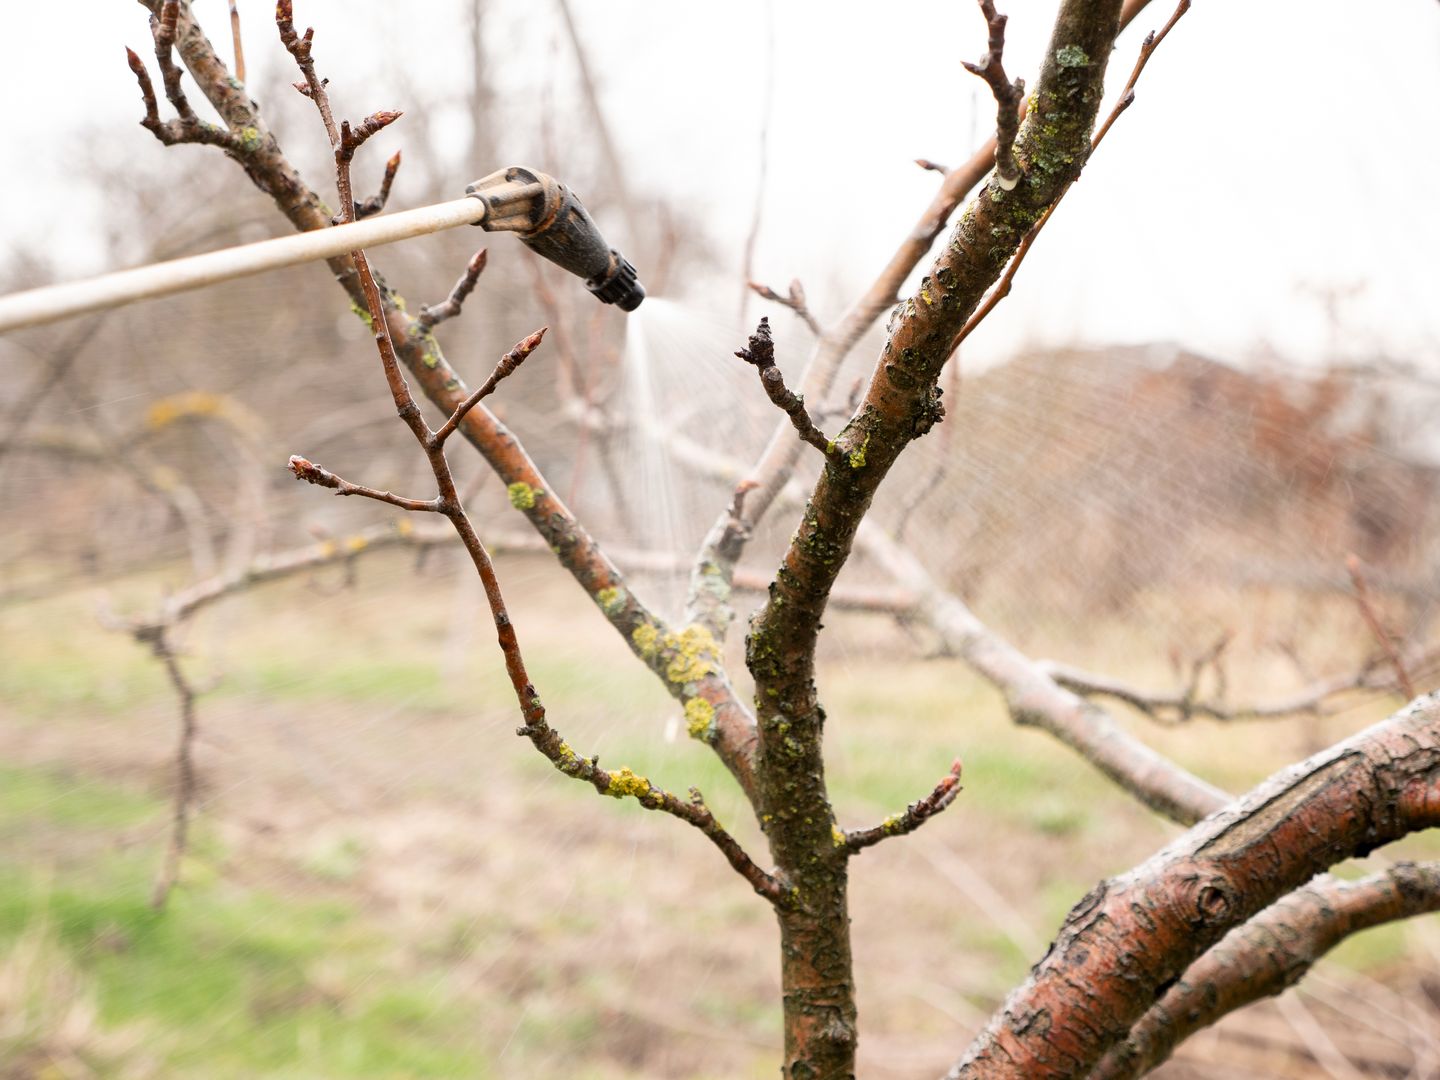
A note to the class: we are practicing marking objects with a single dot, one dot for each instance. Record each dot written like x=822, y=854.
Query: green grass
x=284, y=970
x=235, y=981
x=31, y=796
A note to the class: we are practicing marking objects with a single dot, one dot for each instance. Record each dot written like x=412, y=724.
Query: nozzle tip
x=619, y=286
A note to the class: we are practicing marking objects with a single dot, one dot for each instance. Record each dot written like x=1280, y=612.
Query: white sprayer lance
x=544, y=213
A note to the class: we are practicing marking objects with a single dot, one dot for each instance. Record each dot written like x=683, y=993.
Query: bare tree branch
x=432, y=315
x=158, y=639
x=761, y=353
x=914, y=815
x=1134, y=935
x=376, y=203
x=1268, y=955
x=1008, y=96
x=1377, y=627
x=794, y=300
x=313, y=87
x=235, y=41
x=1178, y=708
x=507, y=366
x=648, y=636
x=619, y=784
x=322, y=477
x=1127, y=97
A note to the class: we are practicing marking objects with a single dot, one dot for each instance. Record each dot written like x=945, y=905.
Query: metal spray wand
x=543, y=212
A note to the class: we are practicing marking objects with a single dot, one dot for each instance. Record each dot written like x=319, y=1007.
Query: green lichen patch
x=611, y=600
x=1069, y=56
x=522, y=495
x=625, y=783
x=647, y=640
x=700, y=719
x=694, y=654
x=688, y=656
x=856, y=458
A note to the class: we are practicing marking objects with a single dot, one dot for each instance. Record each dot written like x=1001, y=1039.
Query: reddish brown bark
x=1133, y=936
x=1267, y=955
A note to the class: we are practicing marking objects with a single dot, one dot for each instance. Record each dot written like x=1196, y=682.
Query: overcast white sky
x=1275, y=149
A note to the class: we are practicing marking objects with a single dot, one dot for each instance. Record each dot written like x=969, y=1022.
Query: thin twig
x=1176, y=708
x=1127, y=97
x=915, y=815
x=795, y=301
x=300, y=48
x=761, y=353
x=932, y=166
x=235, y=36
x=1147, y=49
x=1008, y=96
x=158, y=640
x=1377, y=627
x=375, y=203
x=322, y=477
x=351, y=139
x=503, y=370
x=186, y=128
x=163, y=30
x=767, y=108
x=432, y=315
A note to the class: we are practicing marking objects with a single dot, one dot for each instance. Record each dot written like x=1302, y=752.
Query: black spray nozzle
x=550, y=221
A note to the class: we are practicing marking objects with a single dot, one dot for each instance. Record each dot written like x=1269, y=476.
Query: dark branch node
x=761, y=352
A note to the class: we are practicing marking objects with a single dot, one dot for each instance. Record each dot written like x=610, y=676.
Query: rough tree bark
x=901, y=404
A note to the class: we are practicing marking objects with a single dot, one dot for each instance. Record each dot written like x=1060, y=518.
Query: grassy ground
x=385, y=882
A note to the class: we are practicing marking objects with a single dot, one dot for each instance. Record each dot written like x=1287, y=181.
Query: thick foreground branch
x=1135, y=935
x=1268, y=955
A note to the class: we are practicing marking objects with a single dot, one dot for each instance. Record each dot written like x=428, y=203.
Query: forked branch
x=621, y=783
x=1268, y=955
x=186, y=127
x=1127, y=98
x=1008, y=97
x=432, y=315
x=761, y=353
x=1133, y=936
x=794, y=300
